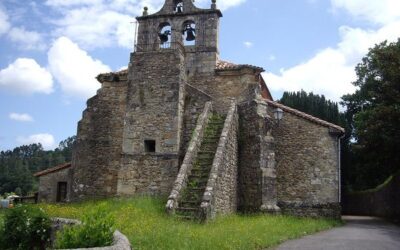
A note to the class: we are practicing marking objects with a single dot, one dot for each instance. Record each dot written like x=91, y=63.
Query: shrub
x=26, y=227
x=96, y=230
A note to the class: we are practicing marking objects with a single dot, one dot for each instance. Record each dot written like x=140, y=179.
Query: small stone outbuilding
x=180, y=122
x=55, y=183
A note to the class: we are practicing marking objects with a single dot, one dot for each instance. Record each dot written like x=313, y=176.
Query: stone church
x=182, y=123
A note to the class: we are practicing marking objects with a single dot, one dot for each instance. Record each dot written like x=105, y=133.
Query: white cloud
x=375, y=11
x=248, y=44
x=331, y=71
x=221, y=4
x=20, y=117
x=28, y=40
x=47, y=140
x=74, y=69
x=95, y=26
x=105, y=23
x=4, y=24
x=25, y=76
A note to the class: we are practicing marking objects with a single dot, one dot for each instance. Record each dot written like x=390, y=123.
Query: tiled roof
x=305, y=116
x=224, y=65
x=52, y=170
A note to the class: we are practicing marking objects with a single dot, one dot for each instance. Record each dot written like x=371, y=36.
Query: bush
x=26, y=227
x=96, y=230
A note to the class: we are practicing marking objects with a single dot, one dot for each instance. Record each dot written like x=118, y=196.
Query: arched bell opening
x=178, y=6
x=164, y=35
x=189, y=33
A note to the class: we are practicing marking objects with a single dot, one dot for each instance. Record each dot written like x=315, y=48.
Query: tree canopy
x=373, y=112
x=17, y=166
x=313, y=104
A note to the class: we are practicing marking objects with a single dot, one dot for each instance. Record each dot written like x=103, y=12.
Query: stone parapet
x=220, y=196
x=190, y=157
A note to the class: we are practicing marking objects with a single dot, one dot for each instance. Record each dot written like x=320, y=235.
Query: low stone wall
x=327, y=210
x=382, y=202
x=191, y=155
x=120, y=241
x=220, y=196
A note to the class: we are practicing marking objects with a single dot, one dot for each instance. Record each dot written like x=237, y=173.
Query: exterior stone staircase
x=189, y=205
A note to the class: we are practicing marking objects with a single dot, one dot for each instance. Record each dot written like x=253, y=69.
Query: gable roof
x=225, y=65
x=305, y=116
x=53, y=170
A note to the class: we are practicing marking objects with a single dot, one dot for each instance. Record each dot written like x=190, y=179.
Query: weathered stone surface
x=220, y=196
x=136, y=132
x=98, y=148
x=307, y=164
x=190, y=157
x=48, y=185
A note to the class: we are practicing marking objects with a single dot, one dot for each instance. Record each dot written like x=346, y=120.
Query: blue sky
x=51, y=50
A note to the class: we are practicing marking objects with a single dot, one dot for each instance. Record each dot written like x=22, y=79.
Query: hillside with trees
x=17, y=166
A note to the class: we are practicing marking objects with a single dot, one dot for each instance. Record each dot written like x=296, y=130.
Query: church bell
x=190, y=36
x=164, y=36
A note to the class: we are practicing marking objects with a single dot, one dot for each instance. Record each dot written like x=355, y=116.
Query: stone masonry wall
x=48, y=185
x=194, y=106
x=384, y=201
x=224, y=86
x=251, y=130
x=307, y=167
x=156, y=98
x=190, y=157
x=97, y=153
x=220, y=196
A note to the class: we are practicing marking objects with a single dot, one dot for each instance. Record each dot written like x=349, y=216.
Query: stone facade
x=52, y=180
x=143, y=131
x=220, y=196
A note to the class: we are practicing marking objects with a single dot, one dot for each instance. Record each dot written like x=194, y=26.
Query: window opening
x=165, y=35
x=189, y=33
x=178, y=7
x=150, y=146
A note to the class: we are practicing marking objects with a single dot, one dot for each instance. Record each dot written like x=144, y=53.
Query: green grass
x=144, y=221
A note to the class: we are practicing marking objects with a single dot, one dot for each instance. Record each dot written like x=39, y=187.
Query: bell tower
x=172, y=44
x=180, y=22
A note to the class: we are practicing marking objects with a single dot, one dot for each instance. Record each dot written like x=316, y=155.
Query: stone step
x=187, y=210
x=201, y=152
x=189, y=202
x=195, y=181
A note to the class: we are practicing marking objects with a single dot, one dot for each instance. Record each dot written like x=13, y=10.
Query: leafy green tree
x=18, y=165
x=373, y=113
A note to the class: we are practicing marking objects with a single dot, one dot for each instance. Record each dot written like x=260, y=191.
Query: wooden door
x=61, y=191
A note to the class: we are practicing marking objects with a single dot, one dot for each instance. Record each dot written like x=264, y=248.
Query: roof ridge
x=53, y=169
x=226, y=65
x=305, y=115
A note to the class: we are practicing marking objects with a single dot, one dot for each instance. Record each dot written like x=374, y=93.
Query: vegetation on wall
x=17, y=166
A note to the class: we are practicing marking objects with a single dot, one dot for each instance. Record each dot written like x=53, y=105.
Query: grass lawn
x=144, y=221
